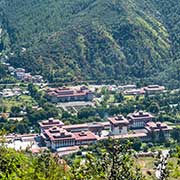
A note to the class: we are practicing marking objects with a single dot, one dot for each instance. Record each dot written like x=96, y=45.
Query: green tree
x=162, y=138
x=154, y=107
x=176, y=134
x=115, y=162
x=86, y=112
x=3, y=72
x=15, y=110
x=136, y=145
x=119, y=97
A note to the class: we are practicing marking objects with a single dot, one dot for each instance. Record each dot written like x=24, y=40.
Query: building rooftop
x=20, y=137
x=105, y=123
x=86, y=125
x=154, y=88
x=83, y=136
x=50, y=123
x=75, y=126
x=118, y=120
x=136, y=135
x=95, y=125
x=152, y=126
x=128, y=86
x=20, y=70
x=140, y=115
x=124, y=136
x=56, y=133
x=134, y=92
x=65, y=92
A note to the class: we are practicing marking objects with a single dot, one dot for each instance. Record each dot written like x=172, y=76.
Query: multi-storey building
x=69, y=94
x=152, y=89
x=139, y=119
x=56, y=137
x=51, y=122
x=118, y=124
x=157, y=130
x=83, y=138
x=95, y=127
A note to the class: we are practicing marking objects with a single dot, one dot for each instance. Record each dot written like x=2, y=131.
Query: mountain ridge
x=83, y=40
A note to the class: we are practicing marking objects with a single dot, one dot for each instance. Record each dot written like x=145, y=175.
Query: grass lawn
x=147, y=167
x=174, y=169
x=111, y=99
x=23, y=100
x=129, y=97
x=146, y=164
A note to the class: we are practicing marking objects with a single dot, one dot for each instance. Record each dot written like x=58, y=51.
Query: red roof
x=83, y=136
x=118, y=120
x=154, y=88
x=50, y=123
x=56, y=133
x=152, y=126
x=140, y=115
x=67, y=92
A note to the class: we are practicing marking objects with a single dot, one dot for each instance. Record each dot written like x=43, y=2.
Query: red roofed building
x=139, y=119
x=95, y=127
x=56, y=137
x=83, y=138
x=152, y=89
x=155, y=130
x=51, y=122
x=69, y=94
x=119, y=124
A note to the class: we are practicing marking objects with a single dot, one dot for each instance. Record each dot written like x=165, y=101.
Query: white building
x=56, y=137
x=119, y=125
x=139, y=119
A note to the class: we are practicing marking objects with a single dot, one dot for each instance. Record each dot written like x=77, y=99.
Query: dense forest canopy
x=94, y=39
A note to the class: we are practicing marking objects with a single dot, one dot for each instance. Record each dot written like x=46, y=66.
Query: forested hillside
x=69, y=40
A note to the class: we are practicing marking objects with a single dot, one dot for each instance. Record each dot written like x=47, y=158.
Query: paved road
x=164, y=155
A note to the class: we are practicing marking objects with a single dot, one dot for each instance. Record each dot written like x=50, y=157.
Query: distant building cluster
x=63, y=94
x=12, y=92
x=22, y=75
x=136, y=125
x=141, y=123
x=151, y=89
x=122, y=88
x=55, y=134
x=132, y=89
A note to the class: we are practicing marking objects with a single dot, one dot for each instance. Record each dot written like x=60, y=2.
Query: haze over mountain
x=69, y=40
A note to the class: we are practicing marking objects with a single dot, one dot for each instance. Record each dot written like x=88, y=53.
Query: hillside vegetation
x=69, y=40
